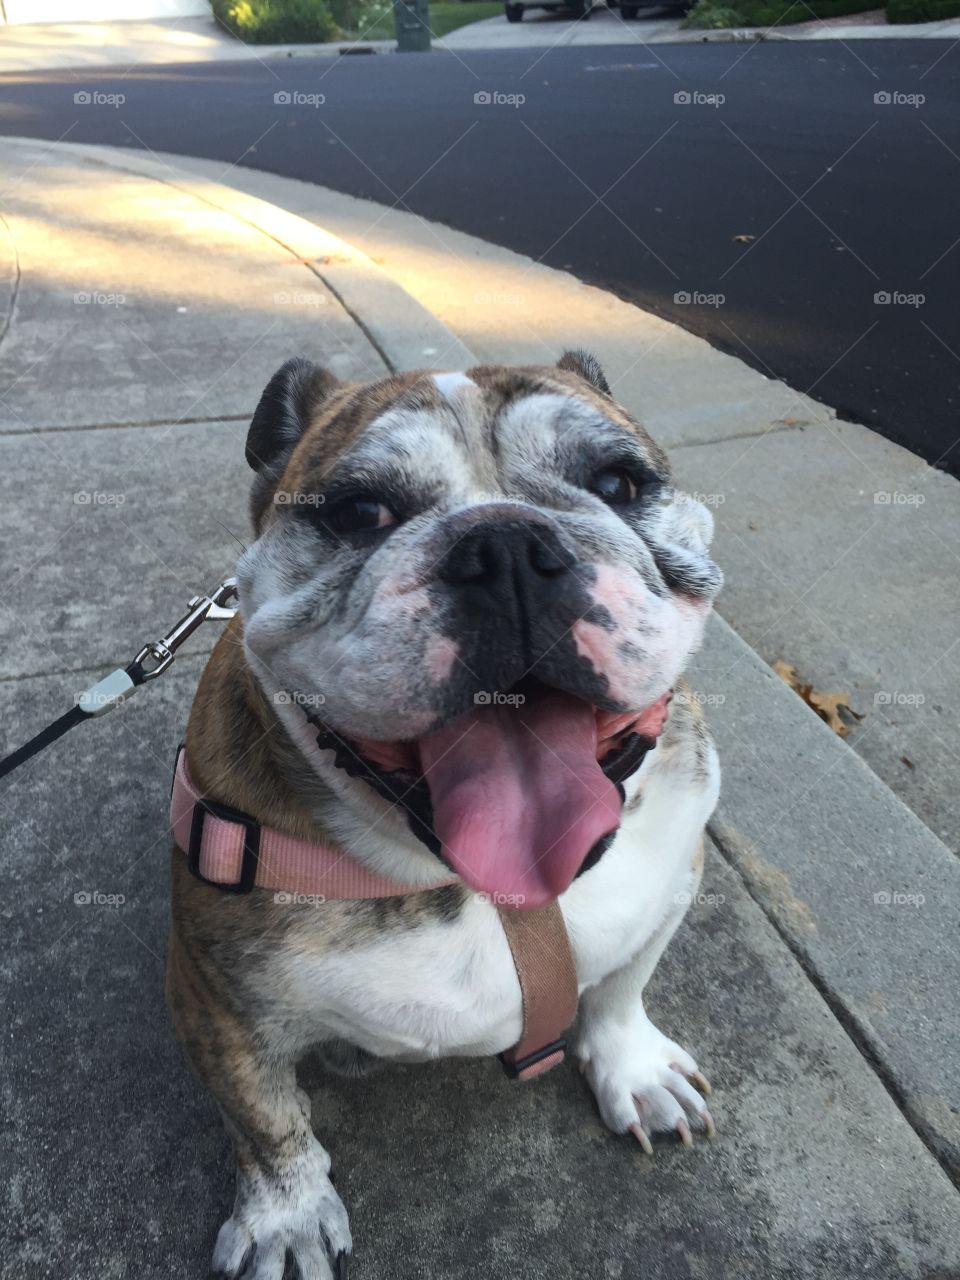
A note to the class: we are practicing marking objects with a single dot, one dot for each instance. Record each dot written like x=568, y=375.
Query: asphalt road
x=783, y=211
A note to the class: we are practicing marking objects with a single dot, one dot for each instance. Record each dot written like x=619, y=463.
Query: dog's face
x=478, y=579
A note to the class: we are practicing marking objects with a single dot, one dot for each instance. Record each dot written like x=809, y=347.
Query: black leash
x=152, y=660
x=43, y=739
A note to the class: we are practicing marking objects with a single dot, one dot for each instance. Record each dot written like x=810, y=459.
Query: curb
x=404, y=333
x=861, y=891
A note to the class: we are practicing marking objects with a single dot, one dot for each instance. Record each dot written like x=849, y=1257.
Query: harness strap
x=231, y=851
x=545, y=966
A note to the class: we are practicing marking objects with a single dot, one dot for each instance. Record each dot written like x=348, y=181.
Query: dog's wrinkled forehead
x=441, y=432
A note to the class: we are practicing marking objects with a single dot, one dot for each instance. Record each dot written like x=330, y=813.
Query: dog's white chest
x=431, y=988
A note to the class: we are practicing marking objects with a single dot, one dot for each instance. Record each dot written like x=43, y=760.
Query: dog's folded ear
x=284, y=412
x=587, y=367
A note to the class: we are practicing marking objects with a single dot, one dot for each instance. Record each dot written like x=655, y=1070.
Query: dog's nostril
x=550, y=558
x=490, y=554
x=472, y=559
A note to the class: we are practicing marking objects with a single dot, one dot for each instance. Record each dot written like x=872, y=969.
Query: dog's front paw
x=644, y=1083
x=271, y=1230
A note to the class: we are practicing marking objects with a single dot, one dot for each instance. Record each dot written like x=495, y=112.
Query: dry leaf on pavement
x=826, y=705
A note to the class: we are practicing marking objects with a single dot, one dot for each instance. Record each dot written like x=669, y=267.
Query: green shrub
x=359, y=16
x=922, y=10
x=712, y=14
x=276, y=21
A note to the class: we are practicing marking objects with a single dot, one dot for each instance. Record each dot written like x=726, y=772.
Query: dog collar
x=231, y=851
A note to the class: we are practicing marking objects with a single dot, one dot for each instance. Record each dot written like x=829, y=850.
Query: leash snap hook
x=216, y=607
x=114, y=689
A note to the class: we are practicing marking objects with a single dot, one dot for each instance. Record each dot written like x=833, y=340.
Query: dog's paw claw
x=638, y=1132
x=272, y=1236
x=697, y=1079
x=646, y=1084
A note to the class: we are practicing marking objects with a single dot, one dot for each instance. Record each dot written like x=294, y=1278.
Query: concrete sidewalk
x=147, y=305
x=658, y=25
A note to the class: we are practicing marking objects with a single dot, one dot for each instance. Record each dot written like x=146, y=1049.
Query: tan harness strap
x=548, y=982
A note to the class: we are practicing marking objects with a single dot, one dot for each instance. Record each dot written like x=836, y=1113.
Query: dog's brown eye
x=614, y=487
x=356, y=514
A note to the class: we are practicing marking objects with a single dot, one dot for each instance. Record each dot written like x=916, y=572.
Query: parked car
x=579, y=9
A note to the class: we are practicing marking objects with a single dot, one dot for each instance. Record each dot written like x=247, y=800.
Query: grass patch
x=713, y=14
x=922, y=10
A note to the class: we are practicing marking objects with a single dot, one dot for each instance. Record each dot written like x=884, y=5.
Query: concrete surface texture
x=823, y=1015
x=60, y=11
x=130, y=43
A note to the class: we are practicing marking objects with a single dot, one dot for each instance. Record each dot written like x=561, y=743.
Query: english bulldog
x=469, y=600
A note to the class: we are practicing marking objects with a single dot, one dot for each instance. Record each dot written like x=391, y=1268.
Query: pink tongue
x=518, y=797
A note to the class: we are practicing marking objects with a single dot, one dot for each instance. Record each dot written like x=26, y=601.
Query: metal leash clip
x=112, y=690
x=154, y=658
x=211, y=608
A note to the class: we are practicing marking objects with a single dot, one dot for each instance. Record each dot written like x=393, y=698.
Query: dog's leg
x=286, y=1208
x=643, y=1081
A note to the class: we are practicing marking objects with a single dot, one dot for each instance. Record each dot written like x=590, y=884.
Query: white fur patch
x=451, y=384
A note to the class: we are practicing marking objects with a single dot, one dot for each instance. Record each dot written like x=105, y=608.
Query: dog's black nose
x=507, y=563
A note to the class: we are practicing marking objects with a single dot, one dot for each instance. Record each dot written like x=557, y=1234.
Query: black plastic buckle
x=251, y=844
x=515, y=1068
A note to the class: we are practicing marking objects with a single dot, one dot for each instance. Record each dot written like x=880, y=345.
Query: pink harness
x=233, y=852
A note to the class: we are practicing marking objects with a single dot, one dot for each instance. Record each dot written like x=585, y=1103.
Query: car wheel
x=514, y=12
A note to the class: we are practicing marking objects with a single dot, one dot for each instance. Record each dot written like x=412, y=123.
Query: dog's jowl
x=447, y=727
